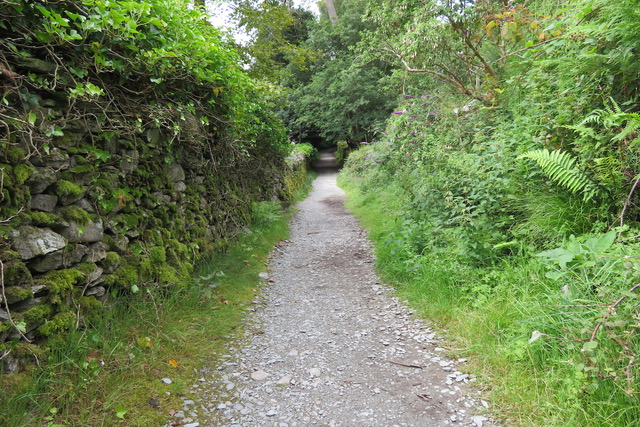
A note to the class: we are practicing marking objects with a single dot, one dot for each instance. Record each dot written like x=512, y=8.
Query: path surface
x=327, y=344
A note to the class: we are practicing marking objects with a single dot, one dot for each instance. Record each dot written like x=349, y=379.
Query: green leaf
x=590, y=346
x=135, y=289
x=21, y=326
x=32, y=118
x=120, y=411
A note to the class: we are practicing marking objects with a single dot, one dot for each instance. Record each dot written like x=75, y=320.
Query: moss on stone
x=86, y=268
x=7, y=176
x=127, y=275
x=130, y=220
x=61, y=282
x=81, y=160
x=61, y=322
x=21, y=196
x=67, y=188
x=71, y=174
x=90, y=308
x=44, y=219
x=75, y=214
x=7, y=256
x=158, y=254
x=112, y=261
x=22, y=172
x=16, y=273
x=14, y=155
x=16, y=294
x=38, y=314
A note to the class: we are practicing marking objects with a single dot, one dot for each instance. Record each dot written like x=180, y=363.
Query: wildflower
x=408, y=96
x=398, y=112
x=364, y=142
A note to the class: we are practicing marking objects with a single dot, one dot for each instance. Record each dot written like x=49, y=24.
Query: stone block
x=44, y=202
x=42, y=179
x=91, y=232
x=31, y=242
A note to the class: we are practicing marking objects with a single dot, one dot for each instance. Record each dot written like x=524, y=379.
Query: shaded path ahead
x=328, y=345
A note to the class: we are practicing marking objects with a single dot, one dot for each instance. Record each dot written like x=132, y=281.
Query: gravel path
x=328, y=345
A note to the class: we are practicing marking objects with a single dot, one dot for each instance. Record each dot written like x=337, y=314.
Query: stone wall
x=95, y=213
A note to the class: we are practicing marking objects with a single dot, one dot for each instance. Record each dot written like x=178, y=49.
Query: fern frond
x=608, y=170
x=561, y=168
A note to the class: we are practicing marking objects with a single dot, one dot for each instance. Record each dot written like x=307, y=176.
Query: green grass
x=488, y=315
x=110, y=373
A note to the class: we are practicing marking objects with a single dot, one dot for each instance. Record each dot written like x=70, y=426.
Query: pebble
x=166, y=381
x=259, y=375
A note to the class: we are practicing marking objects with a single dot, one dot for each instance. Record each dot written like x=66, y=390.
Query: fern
x=611, y=118
x=561, y=168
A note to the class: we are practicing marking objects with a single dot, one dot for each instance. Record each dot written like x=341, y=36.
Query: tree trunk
x=333, y=16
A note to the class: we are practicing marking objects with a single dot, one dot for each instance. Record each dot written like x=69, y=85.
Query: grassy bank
x=489, y=315
x=110, y=372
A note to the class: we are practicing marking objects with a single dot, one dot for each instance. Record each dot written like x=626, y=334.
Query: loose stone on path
x=335, y=348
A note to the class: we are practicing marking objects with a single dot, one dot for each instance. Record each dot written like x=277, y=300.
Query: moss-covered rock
x=37, y=315
x=60, y=282
x=22, y=172
x=75, y=214
x=61, y=322
x=14, y=155
x=111, y=262
x=44, y=219
x=90, y=308
x=16, y=273
x=16, y=294
x=68, y=192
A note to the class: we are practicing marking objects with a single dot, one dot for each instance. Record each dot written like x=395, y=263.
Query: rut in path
x=327, y=345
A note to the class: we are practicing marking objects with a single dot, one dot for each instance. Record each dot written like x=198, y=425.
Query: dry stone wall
x=93, y=213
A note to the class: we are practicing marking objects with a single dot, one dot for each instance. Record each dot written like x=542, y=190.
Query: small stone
x=189, y=402
x=180, y=187
x=166, y=381
x=192, y=425
x=314, y=372
x=264, y=276
x=259, y=375
x=284, y=381
x=478, y=420
x=221, y=406
x=271, y=413
x=96, y=291
x=175, y=173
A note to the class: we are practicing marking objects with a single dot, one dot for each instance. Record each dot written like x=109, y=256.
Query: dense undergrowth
x=111, y=371
x=512, y=219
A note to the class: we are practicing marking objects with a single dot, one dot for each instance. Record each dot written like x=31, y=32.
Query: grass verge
x=110, y=373
x=488, y=315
